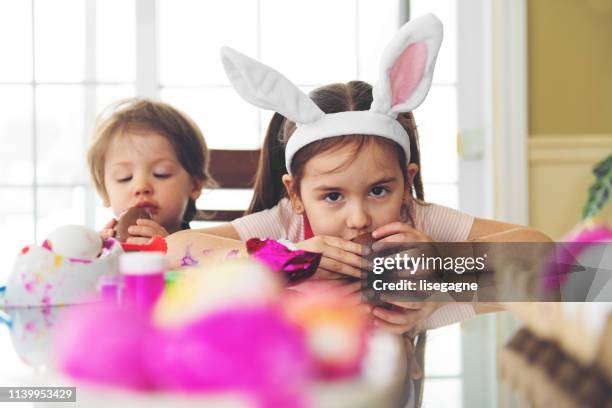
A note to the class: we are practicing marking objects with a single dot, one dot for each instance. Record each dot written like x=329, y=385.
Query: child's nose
x=143, y=187
x=359, y=217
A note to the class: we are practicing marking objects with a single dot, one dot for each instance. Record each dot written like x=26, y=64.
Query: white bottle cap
x=142, y=263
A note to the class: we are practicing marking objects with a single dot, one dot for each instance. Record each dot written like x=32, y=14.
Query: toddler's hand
x=144, y=230
x=339, y=257
x=108, y=230
x=404, y=316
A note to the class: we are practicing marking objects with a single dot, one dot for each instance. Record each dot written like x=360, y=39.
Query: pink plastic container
x=143, y=278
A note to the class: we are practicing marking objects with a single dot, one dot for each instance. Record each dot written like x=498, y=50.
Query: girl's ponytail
x=268, y=186
x=409, y=124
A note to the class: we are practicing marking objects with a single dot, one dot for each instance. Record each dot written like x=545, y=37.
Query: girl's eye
x=162, y=175
x=124, y=179
x=379, y=191
x=333, y=197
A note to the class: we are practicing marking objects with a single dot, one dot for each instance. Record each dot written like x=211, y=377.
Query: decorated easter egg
x=591, y=233
x=74, y=241
x=102, y=343
x=42, y=277
x=572, y=251
x=202, y=289
x=128, y=218
x=336, y=332
x=254, y=350
x=32, y=330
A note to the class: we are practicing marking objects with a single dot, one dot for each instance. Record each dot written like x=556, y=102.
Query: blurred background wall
x=570, y=106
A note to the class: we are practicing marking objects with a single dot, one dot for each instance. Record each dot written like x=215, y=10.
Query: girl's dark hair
x=352, y=96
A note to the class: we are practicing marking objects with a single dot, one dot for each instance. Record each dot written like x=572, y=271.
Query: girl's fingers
x=323, y=274
x=338, y=255
x=344, y=257
x=408, y=305
x=349, y=289
x=403, y=237
x=364, y=308
x=345, y=245
x=392, y=228
x=399, y=318
x=318, y=285
x=353, y=299
x=333, y=265
x=392, y=328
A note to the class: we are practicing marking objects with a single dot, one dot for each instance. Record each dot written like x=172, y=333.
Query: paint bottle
x=143, y=278
x=109, y=287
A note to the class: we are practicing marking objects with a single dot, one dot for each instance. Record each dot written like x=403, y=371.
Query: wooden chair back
x=231, y=169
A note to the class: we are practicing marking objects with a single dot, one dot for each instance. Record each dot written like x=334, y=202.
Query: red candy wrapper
x=296, y=265
x=155, y=244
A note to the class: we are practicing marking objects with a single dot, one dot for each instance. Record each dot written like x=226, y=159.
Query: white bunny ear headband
x=406, y=71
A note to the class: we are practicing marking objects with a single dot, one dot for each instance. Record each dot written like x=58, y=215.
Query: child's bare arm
x=186, y=248
x=496, y=231
x=223, y=230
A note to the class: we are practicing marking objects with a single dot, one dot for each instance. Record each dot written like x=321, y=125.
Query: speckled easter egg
x=74, y=241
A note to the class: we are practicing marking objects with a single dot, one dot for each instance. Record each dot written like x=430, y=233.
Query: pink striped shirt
x=439, y=222
x=280, y=222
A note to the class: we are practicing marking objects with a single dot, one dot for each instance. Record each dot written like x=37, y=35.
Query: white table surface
x=25, y=360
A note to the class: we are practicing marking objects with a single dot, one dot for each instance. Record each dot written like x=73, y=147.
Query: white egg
x=204, y=289
x=75, y=241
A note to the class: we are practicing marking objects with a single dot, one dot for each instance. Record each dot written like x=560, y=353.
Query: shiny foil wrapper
x=295, y=265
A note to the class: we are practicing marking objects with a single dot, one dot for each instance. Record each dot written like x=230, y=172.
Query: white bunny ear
x=407, y=66
x=266, y=88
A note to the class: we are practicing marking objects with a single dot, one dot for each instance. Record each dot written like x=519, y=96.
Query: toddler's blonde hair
x=142, y=115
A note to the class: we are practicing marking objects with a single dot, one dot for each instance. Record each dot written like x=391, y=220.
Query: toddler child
x=148, y=154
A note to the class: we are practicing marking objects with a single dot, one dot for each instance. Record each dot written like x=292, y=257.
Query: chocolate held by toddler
x=127, y=219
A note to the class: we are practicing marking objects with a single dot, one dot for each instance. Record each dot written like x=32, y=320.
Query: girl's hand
x=402, y=235
x=404, y=316
x=144, y=230
x=339, y=257
x=351, y=293
x=399, y=232
x=348, y=290
x=108, y=231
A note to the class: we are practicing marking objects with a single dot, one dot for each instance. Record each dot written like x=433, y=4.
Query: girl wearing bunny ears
x=351, y=165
